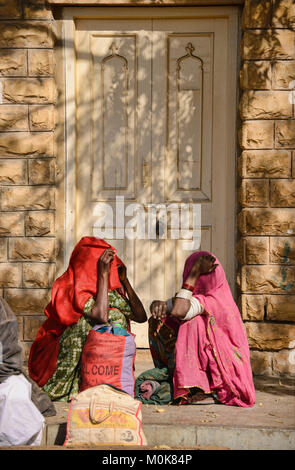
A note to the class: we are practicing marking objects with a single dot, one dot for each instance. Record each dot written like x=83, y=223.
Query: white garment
x=21, y=423
x=195, y=308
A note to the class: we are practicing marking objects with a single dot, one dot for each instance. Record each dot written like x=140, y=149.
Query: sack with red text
x=102, y=416
x=108, y=358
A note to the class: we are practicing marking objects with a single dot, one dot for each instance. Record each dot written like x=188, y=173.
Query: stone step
x=269, y=425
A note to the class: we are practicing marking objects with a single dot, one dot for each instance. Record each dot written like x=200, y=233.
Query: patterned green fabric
x=120, y=309
x=164, y=394
x=65, y=382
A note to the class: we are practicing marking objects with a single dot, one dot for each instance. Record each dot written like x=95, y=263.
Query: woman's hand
x=103, y=264
x=158, y=309
x=122, y=271
x=203, y=265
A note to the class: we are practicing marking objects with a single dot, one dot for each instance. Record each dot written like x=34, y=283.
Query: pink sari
x=212, y=350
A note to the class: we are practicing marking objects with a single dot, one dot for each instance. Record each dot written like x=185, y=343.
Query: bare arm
x=203, y=265
x=100, y=310
x=138, y=311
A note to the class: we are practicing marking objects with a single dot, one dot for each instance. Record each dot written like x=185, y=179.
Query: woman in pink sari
x=201, y=339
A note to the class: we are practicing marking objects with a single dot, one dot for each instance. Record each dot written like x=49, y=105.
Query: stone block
x=267, y=221
x=42, y=118
x=283, y=74
x=285, y=134
x=39, y=275
x=20, y=323
x=37, y=9
x=26, y=346
x=256, y=75
x=32, y=249
x=265, y=105
x=41, y=62
x=28, y=198
x=282, y=250
x=256, y=134
x=40, y=223
x=12, y=224
x=13, y=172
x=41, y=171
x=256, y=14
x=268, y=279
x=254, y=193
x=13, y=62
x=29, y=90
x=265, y=164
x=27, y=301
x=13, y=118
x=253, y=307
x=282, y=193
x=270, y=336
x=3, y=249
x=268, y=44
x=31, y=326
x=39, y=144
x=10, y=9
x=253, y=250
x=284, y=363
x=293, y=164
x=10, y=274
x=283, y=15
x=261, y=362
x=30, y=34
x=280, y=308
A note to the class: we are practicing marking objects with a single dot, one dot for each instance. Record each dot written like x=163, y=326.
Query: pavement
x=268, y=425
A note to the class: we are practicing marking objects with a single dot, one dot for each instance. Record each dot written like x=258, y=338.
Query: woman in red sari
x=94, y=289
x=201, y=339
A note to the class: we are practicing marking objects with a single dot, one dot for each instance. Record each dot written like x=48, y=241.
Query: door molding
x=70, y=15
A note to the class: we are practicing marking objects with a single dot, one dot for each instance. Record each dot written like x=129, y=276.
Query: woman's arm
x=138, y=311
x=100, y=310
x=203, y=265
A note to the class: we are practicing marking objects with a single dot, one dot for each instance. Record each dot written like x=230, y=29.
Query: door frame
x=67, y=189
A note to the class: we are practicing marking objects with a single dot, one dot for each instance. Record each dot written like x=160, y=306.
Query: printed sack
x=108, y=358
x=103, y=415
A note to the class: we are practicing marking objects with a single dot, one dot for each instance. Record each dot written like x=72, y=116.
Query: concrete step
x=269, y=425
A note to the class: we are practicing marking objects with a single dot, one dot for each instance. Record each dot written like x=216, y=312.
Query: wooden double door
x=154, y=94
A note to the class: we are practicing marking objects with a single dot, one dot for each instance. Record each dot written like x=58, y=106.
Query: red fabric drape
x=69, y=294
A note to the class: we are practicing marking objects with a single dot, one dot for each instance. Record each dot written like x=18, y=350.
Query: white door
x=155, y=113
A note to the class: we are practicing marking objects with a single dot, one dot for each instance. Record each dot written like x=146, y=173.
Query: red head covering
x=68, y=296
x=212, y=349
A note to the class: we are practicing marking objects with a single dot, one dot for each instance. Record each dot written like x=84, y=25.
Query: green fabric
x=164, y=394
x=66, y=380
x=120, y=309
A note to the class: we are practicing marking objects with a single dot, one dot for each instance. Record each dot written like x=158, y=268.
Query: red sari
x=69, y=294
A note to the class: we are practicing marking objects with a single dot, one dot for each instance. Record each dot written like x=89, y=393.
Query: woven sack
x=108, y=358
x=104, y=415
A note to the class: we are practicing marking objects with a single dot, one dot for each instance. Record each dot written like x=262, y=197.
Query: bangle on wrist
x=187, y=286
x=184, y=294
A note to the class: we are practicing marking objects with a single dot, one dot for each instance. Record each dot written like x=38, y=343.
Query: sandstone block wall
x=266, y=221
x=27, y=161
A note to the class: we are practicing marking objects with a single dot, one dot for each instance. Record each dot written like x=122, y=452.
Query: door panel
x=152, y=121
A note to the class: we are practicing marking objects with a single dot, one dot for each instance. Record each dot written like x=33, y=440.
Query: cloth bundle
x=154, y=386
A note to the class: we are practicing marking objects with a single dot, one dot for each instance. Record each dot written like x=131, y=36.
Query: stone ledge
x=143, y=3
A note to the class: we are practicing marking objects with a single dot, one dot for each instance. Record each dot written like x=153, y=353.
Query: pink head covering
x=212, y=350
